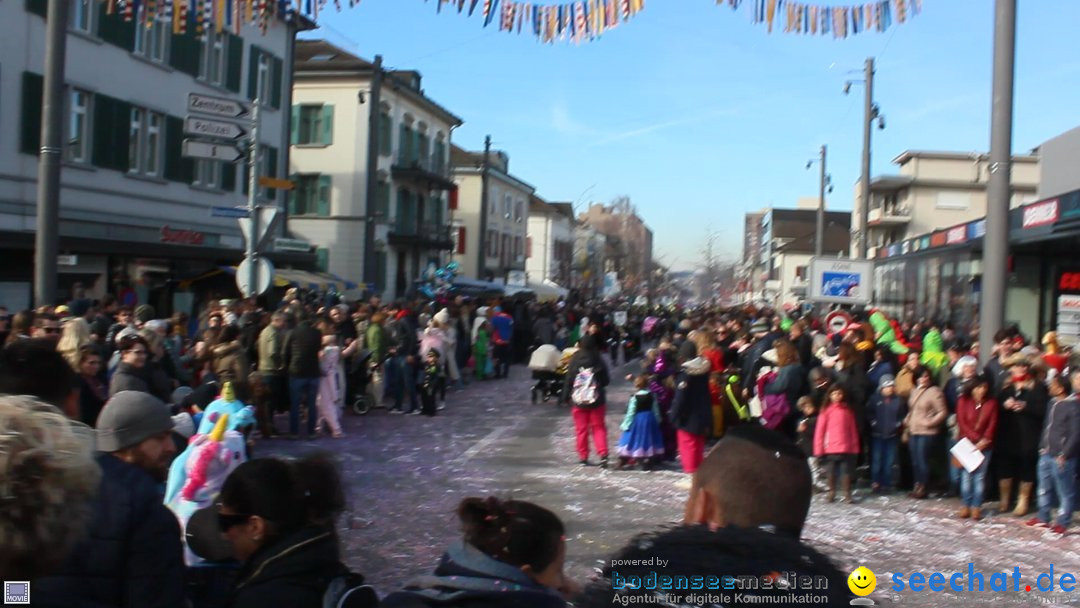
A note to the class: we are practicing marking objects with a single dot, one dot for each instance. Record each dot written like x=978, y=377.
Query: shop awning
x=306, y=279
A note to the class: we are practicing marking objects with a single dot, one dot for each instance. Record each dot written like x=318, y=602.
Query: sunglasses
x=228, y=521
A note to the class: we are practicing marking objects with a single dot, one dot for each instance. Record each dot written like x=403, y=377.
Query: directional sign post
x=233, y=212
x=217, y=106
x=216, y=129
x=201, y=149
x=266, y=218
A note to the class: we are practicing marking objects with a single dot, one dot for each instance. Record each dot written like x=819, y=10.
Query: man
x=46, y=326
x=271, y=366
x=133, y=555
x=33, y=367
x=403, y=348
x=502, y=326
x=301, y=359
x=123, y=321
x=1059, y=453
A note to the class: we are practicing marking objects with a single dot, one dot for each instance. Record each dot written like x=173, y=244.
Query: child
x=331, y=386
x=885, y=414
x=805, y=437
x=641, y=438
x=480, y=350
x=430, y=382
x=836, y=442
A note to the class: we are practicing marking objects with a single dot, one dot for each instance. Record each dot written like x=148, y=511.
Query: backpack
x=349, y=591
x=586, y=391
x=774, y=408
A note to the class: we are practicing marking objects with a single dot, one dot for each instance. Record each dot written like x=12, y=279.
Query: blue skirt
x=643, y=440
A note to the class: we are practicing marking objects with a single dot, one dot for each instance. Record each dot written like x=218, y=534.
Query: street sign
x=216, y=106
x=264, y=273
x=216, y=129
x=201, y=149
x=233, y=212
x=837, y=321
x=274, y=182
x=282, y=244
x=840, y=281
x=267, y=215
x=67, y=259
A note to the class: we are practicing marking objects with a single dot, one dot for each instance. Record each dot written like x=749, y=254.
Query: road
x=406, y=475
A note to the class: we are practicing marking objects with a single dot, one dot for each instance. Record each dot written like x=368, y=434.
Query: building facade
x=490, y=242
x=630, y=240
x=787, y=246
x=332, y=145
x=587, y=270
x=135, y=214
x=549, y=244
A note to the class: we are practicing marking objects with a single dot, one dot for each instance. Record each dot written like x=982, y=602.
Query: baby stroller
x=362, y=370
x=544, y=364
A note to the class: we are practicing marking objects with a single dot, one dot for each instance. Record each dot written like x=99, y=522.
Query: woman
x=881, y=366
x=691, y=412
x=92, y=391
x=75, y=335
x=976, y=419
x=587, y=373
x=850, y=371
x=279, y=518
x=130, y=374
x=512, y=555
x=1023, y=402
x=229, y=361
x=923, y=423
x=790, y=381
x=705, y=342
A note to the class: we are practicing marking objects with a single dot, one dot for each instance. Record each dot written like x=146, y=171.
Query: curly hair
x=48, y=481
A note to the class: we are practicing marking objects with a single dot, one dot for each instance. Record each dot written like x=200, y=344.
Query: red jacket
x=836, y=431
x=977, y=424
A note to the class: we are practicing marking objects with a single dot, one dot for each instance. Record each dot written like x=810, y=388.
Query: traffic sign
x=217, y=129
x=282, y=244
x=274, y=182
x=216, y=106
x=201, y=149
x=267, y=215
x=837, y=321
x=264, y=272
x=233, y=212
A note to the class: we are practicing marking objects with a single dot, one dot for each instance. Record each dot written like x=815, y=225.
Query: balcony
x=421, y=171
x=889, y=215
x=408, y=233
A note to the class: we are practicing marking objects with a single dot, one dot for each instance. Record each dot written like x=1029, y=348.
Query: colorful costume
x=641, y=437
x=933, y=355
x=888, y=334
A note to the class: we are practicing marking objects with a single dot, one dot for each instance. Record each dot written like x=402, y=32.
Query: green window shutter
x=271, y=170
x=184, y=53
x=322, y=259
x=228, y=177
x=324, y=196
x=174, y=135
x=294, y=193
x=253, y=72
x=328, y=124
x=114, y=30
x=380, y=270
x=30, y=138
x=403, y=145
x=276, y=70
x=294, y=125
x=385, y=134
x=38, y=7
x=235, y=62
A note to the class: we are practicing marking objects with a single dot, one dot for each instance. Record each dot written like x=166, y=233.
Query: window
x=381, y=208
x=153, y=42
x=262, y=78
x=492, y=243
x=313, y=124
x=82, y=15
x=422, y=149
x=311, y=195
x=953, y=200
x=207, y=173
x=405, y=145
x=135, y=137
x=438, y=159
x=153, y=143
x=144, y=142
x=493, y=201
x=78, y=144
x=386, y=126
x=518, y=210
x=212, y=64
x=268, y=168
x=508, y=202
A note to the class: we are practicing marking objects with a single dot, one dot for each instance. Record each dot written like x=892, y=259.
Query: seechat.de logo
x=16, y=592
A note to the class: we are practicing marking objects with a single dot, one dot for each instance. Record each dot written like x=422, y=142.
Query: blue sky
x=699, y=115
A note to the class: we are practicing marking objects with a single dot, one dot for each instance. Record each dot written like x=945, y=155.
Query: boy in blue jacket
x=885, y=413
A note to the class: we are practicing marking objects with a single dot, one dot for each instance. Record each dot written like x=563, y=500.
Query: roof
x=891, y=182
x=907, y=155
x=321, y=59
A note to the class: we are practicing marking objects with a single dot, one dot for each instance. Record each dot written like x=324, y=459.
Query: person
x=790, y=381
x=133, y=555
x=976, y=419
x=707, y=347
x=331, y=386
x=836, y=442
x=512, y=554
x=432, y=381
x=502, y=333
x=230, y=361
x=1023, y=402
x=271, y=368
x=885, y=416
x=905, y=378
x=661, y=371
x=1059, y=453
x=641, y=438
x=92, y=391
x=123, y=321
x=301, y=356
x=279, y=517
x=584, y=388
x=881, y=366
x=850, y=372
x=923, y=423
x=130, y=374
x=441, y=321
x=75, y=335
x=403, y=348
x=804, y=437
x=997, y=369
x=691, y=411
x=46, y=326
x=33, y=367
x=50, y=460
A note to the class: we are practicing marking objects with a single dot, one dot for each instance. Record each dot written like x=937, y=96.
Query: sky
x=699, y=115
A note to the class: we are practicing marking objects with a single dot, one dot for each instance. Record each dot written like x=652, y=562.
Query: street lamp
x=871, y=112
x=826, y=182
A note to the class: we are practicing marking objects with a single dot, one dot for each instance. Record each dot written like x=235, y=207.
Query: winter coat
x=905, y=382
x=836, y=431
x=640, y=401
x=1061, y=436
x=468, y=578
x=1019, y=432
x=128, y=378
x=886, y=415
x=876, y=371
x=401, y=337
x=790, y=381
x=433, y=338
x=132, y=557
x=977, y=422
x=92, y=397
x=853, y=379
x=544, y=330
x=587, y=358
x=230, y=363
x=926, y=411
x=293, y=571
x=301, y=351
x=270, y=345
x=691, y=410
x=375, y=341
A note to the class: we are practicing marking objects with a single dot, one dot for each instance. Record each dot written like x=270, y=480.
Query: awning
x=306, y=279
x=545, y=292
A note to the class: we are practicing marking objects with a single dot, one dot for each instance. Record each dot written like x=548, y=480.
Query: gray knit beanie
x=129, y=418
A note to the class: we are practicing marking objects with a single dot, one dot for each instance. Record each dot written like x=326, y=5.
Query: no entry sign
x=837, y=321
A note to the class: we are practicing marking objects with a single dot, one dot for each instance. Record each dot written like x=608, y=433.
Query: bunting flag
x=815, y=19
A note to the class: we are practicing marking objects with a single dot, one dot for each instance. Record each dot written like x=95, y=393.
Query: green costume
x=480, y=351
x=884, y=333
x=933, y=355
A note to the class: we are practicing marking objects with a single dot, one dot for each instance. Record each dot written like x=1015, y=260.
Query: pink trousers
x=586, y=419
x=691, y=450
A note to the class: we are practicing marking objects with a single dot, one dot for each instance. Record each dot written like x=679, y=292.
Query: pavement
x=405, y=476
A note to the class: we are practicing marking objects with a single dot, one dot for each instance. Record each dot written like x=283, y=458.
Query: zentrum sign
x=1041, y=214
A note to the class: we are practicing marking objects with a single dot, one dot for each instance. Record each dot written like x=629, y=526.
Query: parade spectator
x=403, y=348
x=512, y=554
x=804, y=437
x=49, y=460
x=1023, y=401
x=790, y=381
x=850, y=372
x=1059, y=453
x=92, y=391
x=21, y=324
x=432, y=384
x=271, y=367
x=33, y=367
x=997, y=369
x=332, y=384
x=691, y=411
x=585, y=389
x=75, y=335
x=123, y=321
x=976, y=419
x=885, y=415
x=230, y=363
x=836, y=442
x=661, y=370
x=442, y=322
x=482, y=348
x=46, y=326
x=133, y=555
x=923, y=424
x=641, y=438
x=799, y=335
x=905, y=378
x=375, y=342
x=301, y=357
x=159, y=371
x=882, y=365
x=502, y=326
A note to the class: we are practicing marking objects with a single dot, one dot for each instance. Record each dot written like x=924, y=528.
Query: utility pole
x=996, y=241
x=864, y=186
x=481, y=238
x=251, y=253
x=374, y=136
x=819, y=238
x=47, y=237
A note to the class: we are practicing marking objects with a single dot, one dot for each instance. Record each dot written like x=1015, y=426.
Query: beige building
x=937, y=189
x=630, y=240
x=489, y=243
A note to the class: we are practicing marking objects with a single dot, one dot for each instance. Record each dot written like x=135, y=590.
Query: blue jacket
x=885, y=415
x=504, y=327
x=132, y=557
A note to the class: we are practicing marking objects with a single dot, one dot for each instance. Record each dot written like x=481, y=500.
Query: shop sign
x=181, y=237
x=1068, y=319
x=1041, y=214
x=924, y=243
x=905, y=247
x=976, y=229
x=894, y=249
x=937, y=239
x=956, y=235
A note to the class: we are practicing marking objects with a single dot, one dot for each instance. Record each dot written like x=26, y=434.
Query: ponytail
x=289, y=494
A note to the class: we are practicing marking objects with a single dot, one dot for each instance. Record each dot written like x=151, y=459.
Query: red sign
x=1070, y=282
x=1041, y=214
x=937, y=239
x=181, y=237
x=956, y=235
x=837, y=321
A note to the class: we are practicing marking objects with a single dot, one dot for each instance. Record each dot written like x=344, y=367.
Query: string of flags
x=578, y=21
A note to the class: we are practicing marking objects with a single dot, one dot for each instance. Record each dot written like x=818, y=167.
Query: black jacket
x=132, y=557
x=1019, y=432
x=468, y=578
x=1061, y=436
x=691, y=410
x=128, y=378
x=885, y=415
x=294, y=571
x=401, y=336
x=582, y=359
x=301, y=351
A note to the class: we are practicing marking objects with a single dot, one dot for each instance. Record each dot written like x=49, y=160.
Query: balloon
x=453, y=266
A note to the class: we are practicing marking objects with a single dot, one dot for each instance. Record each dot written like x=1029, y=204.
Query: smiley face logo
x=862, y=581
